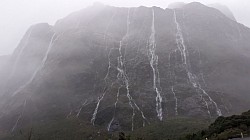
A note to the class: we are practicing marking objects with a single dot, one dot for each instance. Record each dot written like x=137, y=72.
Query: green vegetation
x=224, y=128
x=75, y=129
x=172, y=129
x=68, y=129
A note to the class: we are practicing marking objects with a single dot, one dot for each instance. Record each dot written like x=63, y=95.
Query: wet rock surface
x=123, y=68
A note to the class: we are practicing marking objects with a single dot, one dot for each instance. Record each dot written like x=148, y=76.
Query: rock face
x=123, y=68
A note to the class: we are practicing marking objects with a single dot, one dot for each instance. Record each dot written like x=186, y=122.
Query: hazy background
x=17, y=15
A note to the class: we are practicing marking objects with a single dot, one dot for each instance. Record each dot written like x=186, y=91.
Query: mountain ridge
x=122, y=68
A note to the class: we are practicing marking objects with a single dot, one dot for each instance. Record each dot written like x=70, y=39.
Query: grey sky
x=17, y=15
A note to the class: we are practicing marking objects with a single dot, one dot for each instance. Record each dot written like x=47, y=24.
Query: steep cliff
x=124, y=68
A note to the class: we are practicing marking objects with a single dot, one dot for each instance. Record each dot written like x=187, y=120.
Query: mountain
x=126, y=68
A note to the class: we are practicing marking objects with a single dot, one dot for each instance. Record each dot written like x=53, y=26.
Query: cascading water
x=192, y=77
x=153, y=58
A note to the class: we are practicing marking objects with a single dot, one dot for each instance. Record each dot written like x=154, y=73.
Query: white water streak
x=105, y=78
x=121, y=68
x=180, y=41
x=173, y=82
x=117, y=99
x=14, y=127
x=39, y=68
x=176, y=101
x=142, y=114
x=109, y=66
x=211, y=100
x=192, y=77
x=123, y=76
x=78, y=113
x=110, y=123
x=97, y=107
x=154, y=65
x=70, y=113
x=19, y=117
x=107, y=74
x=206, y=104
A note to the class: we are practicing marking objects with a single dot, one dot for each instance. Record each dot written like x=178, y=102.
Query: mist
x=17, y=16
x=78, y=69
